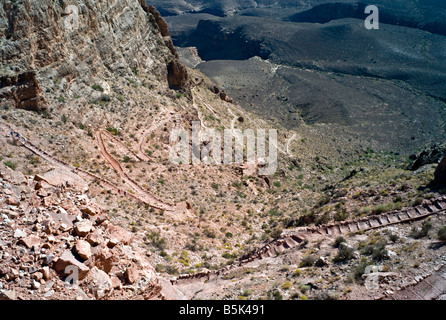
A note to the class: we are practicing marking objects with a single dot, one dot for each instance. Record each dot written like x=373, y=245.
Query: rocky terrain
x=52, y=230
x=92, y=208
x=322, y=66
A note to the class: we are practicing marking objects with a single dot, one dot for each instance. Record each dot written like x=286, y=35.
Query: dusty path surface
x=155, y=125
x=432, y=287
x=141, y=194
x=294, y=238
x=140, y=191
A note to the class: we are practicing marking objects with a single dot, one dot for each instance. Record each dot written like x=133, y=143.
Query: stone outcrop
x=71, y=45
x=440, y=173
x=177, y=76
x=431, y=155
x=54, y=249
x=23, y=90
x=160, y=22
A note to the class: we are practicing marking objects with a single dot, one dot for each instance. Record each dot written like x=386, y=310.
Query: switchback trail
x=142, y=193
x=294, y=238
x=430, y=288
x=85, y=174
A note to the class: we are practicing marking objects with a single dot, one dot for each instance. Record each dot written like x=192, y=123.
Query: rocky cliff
x=75, y=56
x=71, y=45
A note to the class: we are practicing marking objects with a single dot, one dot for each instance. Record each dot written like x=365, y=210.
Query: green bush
x=344, y=253
x=418, y=233
x=10, y=164
x=418, y=201
x=360, y=269
x=114, y=131
x=307, y=261
x=442, y=234
x=156, y=241
x=377, y=250
x=338, y=241
x=97, y=87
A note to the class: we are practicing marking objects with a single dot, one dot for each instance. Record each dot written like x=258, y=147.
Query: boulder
x=19, y=234
x=24, y=90
x=83, y=228
x=103, y=258
x=7, y=295
x=91, y=210
x=131, y=275
x=440, y=173
x=95, y=238
x=99, y=283
x=177, y=76
x=59, y=177
x=433, y=154
x=30, y=241
x=119, y=235
x=13, y=201
x=68, y=259
x=83, y=249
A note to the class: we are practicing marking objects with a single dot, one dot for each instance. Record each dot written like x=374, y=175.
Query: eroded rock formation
x=23, y=91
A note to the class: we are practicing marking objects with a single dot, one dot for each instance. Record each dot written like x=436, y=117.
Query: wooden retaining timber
x=429, y=288
x=293, y=238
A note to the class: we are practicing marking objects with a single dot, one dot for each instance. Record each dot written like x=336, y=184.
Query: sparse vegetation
x=10, y=164
x=344, y=253
x=442, y=234
x=418, y=233
x=97, y=87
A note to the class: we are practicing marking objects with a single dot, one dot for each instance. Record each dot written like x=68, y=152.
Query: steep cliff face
x=79, y=43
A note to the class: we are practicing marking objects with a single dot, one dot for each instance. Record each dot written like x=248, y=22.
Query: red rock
x=91, y=210
x=121, y=235
x=95, y=238
x=116, y=283
x=99, y=283
x=83, y=227
x=131, y=275
x=103, y=258
x=67, y=259
x=13, y=201
x=31, y=241
x=83, y=249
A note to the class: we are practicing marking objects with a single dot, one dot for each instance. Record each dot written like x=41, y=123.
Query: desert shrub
x=228, y=255
x=184, y=258
x=360, y=269
x=341, y=215
x=209, y=233
x=418, y=201
x=322, y=219
x=276, y=233
x=344, y=253
x=338, y=241
x=113, y=130
x=172, y=270
x=418, y=233
x=154, y=238
x=382, y=208
x=287, y=285
x=307, y=261
x=394, y=237
x=10, y=164
x=274, y=295
x=97, y=87
x=377, y=251
x=442, y=234
x=127, y=159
